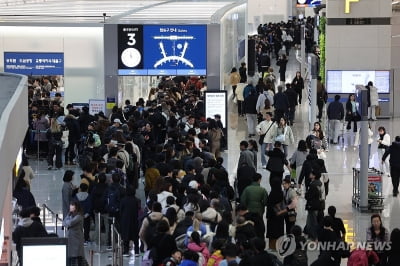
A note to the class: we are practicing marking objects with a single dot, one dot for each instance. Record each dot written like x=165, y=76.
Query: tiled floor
x=46, y=186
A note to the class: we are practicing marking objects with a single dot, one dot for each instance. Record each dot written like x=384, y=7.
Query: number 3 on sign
x=131, y=37
x=347, y=5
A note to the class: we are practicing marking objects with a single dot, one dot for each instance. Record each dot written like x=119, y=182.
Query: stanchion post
x=99, y=219
x=55, y=228
x=44, y=216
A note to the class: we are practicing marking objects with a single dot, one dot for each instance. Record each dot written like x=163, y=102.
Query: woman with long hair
x=196, y=245
x=215, y=133
x=73, y=222
x=234, y=79
x=284, y=135
x=379, y=236
x=317, y=138
x=352, y=114
x=54, y=135
x=298, y=158
x=298, y=85
x=383, y=145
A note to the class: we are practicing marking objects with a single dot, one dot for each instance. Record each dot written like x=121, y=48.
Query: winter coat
x=245, y=231
x=24, y=198
x=99, y=195
x=292, y=97
x=154, y=216
x=255, y=198
x=66, y=197
x=41, y=124
x=129, y=218
x=298, y=158
x=234, y=78
x=27, y=228
x=164, y=244
x=281, y=102
x=85, y=201
x=244, y=177
x=210, y=215
x=246, y=157
x=372, y=96
x=276, y=161
x=313, y=195
x=260, y=106
x=394, y=152
x=162, y=198
x=335, y=111
x=287, y=131
x=74, y=225
x=250, y=103
x=202, y=249
x=298, y=84
x=150, y=176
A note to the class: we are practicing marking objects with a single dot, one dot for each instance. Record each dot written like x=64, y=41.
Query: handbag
x=280, y=138
x=261, y=140
x=279, y=208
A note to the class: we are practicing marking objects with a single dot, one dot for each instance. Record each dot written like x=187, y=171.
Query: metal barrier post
x=55, y=227
x=114, y=261
x=120, y=248
x=99, y=222
x=44, y=215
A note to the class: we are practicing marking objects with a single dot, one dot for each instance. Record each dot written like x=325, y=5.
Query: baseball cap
x=116, y=120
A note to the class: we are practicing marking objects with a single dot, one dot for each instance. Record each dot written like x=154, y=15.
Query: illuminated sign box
x=308, y=3
x=157, y=50
x=34, y=64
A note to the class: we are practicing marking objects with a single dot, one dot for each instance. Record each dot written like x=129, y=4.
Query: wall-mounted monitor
x=157, y=50
x=47, y=251
x=344, y=81
x=308, y=3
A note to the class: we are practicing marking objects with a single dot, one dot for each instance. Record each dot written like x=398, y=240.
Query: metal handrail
x=53, y=213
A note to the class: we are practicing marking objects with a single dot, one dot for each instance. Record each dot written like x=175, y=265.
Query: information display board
x=215, y=104
x=308, y=3
x=162, y=50
x=97, y=106
x=49, y=251
x=34, y=64
x=344, y=81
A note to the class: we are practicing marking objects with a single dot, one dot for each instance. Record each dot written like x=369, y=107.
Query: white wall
x=232, y=31
x=361, y=9
x=269, y=10
x=83, y=55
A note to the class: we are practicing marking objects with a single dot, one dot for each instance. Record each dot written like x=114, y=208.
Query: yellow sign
x=347, y=5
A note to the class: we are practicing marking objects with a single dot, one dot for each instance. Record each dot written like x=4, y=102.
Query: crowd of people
x=191, y=215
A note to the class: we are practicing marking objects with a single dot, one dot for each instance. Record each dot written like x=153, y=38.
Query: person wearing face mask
x=378, y=235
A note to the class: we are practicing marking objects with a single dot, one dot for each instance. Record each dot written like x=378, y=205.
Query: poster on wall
x=162, y=50
x=215, y=104
x=97, y=106
x=308, y=3
x=34, y=64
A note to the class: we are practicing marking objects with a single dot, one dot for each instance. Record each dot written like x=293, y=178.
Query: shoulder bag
x=261, y=140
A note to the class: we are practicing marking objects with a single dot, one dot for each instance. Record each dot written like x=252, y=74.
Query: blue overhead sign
x=34, y=64
x=162, y=50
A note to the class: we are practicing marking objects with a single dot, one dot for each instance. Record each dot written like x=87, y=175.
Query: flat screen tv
x=45, y=251
x=308, y=3
x=344, y=81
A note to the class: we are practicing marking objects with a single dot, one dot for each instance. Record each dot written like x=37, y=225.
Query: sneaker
x=49, y=167
x=86, y=243
x=109, y=248
x=263, y=166
x=126, y=254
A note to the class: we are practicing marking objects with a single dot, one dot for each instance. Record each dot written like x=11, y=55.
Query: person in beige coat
x=234, y=78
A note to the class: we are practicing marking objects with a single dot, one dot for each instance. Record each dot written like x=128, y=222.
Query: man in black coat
x=250, y=103
x=129, y=220
x=307, y=167
x=183, y=225
x=245, y=175
x=335, y=114
x=281, y=104
x=394, y=152
x=313, y=205
x=292, y=100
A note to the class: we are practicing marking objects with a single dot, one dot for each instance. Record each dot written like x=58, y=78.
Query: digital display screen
x=45, y=251
x=34, y=64
x=308, y=3
x=344, y=81
x=162, y=50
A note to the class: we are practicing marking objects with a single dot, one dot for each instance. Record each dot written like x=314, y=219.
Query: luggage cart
x=375, y=196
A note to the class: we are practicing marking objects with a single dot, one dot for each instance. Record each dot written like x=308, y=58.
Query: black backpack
x=299, y=258
x=113, y=201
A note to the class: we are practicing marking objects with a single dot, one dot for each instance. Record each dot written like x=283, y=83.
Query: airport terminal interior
x=111, y=83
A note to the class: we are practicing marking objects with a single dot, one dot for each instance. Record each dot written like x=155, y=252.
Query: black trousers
x=70, y=151
x=54, y=149
x=320, y=105
x=86, y=227
x=395, y=175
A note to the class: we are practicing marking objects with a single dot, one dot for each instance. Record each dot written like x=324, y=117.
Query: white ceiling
x=117, y=11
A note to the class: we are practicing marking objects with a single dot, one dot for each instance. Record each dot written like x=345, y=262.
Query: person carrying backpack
x=149, y=224
x=115, y=193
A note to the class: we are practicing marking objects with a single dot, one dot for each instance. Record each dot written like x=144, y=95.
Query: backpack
x=132, y=161
x=358, y=258
x=299, y=258
x=275, y=261
x=113, y=200
x=217, y=259
x=267, y=103
x=150, y=230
